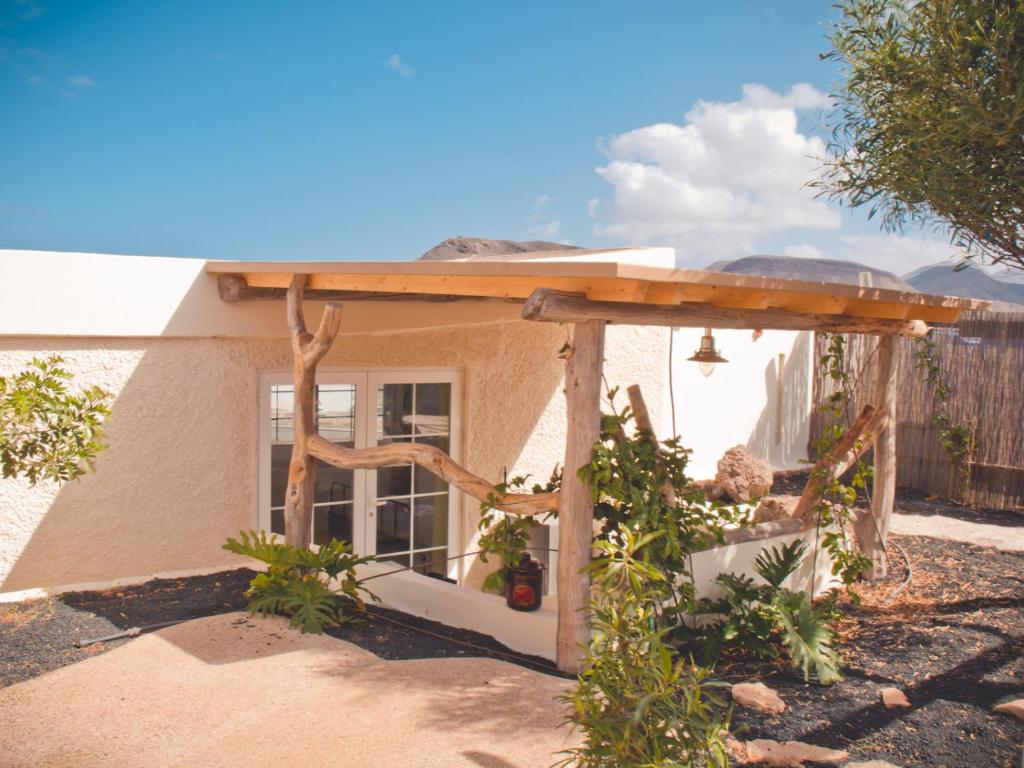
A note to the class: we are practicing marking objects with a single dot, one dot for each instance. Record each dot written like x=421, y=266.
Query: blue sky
x=322, y=130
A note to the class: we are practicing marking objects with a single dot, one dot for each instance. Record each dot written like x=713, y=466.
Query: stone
x=758, y=696
x=790, y=754
x=870, y=764
x=894, y=698
x=773, y=508
x=742, y=476
x=712, y=491
x=1015, y=708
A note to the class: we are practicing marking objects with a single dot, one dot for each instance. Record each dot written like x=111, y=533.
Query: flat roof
x=600, y=275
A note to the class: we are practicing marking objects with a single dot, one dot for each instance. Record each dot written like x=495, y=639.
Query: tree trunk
x=576, y=506
x=883, y=487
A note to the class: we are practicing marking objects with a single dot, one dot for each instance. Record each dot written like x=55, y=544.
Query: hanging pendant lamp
x=707, y=356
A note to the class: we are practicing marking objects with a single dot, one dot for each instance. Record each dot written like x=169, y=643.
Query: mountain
x=814, y=270
x=969, y=283
x=455, y=248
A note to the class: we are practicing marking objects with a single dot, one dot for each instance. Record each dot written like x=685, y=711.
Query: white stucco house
x=200, y=432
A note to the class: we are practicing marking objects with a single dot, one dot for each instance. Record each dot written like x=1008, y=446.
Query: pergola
x=588, y=289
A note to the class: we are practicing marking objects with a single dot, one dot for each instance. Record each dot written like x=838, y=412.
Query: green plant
x=643, y=484
x=46, y=431
x=758, y=618
x=957, y=440
x=636, y=702
x=929, y=121
x=299, y=582
x=834, y=511
x=508, y=536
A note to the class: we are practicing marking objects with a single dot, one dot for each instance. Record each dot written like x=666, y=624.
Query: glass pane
x=333, y=522
x=282, y=417
x=433, y=408
x=333, y=484
x=336, y=412
x=427, y=481
x=393, y=526
x=277, y=521
x=398, y=560
x=394, y=409
x=280, y=458
x=431, y=563
x=430, y=521
x=394, y=481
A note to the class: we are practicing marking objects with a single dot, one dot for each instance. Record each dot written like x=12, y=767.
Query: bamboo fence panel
x=982, y=361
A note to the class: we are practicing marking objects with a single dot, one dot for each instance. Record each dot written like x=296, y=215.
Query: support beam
x=436, y=461
x=844, y=454
x=883, y=484
x=551, y=306
x=576, y=505
x=234, y=288
x=307, y=350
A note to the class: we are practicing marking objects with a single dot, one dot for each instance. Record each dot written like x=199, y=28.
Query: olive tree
x=928, y=126
x=47, y=431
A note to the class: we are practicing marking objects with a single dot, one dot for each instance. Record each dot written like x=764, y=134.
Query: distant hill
x=814, y=270
x=480, y=247
x=969, y=283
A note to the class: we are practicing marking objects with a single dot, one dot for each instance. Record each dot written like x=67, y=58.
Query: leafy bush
x=636, y=702
x=298, y=582
x=508, y=536
x=757, y=618
x=46, y=431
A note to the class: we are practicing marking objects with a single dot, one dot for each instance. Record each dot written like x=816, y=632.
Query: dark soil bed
x=952, y=641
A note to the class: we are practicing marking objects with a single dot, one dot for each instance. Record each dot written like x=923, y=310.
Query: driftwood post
x=307, y=350
x=576, y=507
x=883, y=486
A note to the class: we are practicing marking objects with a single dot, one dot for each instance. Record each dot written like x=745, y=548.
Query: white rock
x=1015, y=708
x=790, y=754
x=743, y=476
x=758, y=696
x=894, y=698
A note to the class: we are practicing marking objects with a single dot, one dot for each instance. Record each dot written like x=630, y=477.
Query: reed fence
x=982, y=362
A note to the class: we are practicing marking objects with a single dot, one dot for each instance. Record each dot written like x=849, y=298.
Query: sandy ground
x=231, y=690
x=1002, y=537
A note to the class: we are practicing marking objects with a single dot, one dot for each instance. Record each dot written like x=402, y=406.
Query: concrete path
x=232, y=691
x=1003, y=537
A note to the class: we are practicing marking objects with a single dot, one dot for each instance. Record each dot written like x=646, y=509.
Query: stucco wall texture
x=180, y=472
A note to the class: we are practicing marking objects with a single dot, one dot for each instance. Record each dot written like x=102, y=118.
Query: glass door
x=401, y=513
x=335, y=512
x=412, y=517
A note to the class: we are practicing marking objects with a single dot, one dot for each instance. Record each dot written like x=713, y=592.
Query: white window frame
x=366, y=381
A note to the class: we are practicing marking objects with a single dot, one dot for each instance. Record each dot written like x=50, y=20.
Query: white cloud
x=82, y=82
x=399, y=66
x=592, y=206
x=730, y=174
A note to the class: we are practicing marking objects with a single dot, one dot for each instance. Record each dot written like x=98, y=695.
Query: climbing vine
x=834, y=511
x=958, y=440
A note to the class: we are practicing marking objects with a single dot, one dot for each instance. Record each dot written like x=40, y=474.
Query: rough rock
x=743, y=476
x=758, y=696
x=790, y=754
x=870, y=764
x=894, y=698
x=775, y=508
x=461, y=248
x=1015, y=708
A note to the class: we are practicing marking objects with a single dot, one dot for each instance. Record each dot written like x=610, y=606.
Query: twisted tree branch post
x=307, y=350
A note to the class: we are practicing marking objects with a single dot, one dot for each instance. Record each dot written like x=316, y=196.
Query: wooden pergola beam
x=234, y=288
x=547, y=305
x=874, y=531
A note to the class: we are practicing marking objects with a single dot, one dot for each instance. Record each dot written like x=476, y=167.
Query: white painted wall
x=739, y=404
